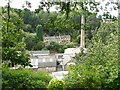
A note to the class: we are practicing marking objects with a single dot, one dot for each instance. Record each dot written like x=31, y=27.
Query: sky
x=35, y=4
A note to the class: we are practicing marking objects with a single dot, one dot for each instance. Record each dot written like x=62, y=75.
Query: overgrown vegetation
x=24, y=79
x=98, y=69
x=55, y=47
x=13, y=46
x=49, y=24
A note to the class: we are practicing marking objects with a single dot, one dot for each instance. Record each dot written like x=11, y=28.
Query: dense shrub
x=56, y=84
x=53, y=46
x=24, y=78
x=32, y=43
x=39, y=45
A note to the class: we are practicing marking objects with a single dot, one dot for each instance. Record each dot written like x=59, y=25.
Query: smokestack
x=82, y=32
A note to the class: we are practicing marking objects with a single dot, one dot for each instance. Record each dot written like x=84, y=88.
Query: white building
x=69, y=54
x=42, y=60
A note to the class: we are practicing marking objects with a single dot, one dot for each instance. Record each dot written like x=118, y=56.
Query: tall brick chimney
x=82, y=42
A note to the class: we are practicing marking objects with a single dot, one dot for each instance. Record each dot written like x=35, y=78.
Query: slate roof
x=38, y=53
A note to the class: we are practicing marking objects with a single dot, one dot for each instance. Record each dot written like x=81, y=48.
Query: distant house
x=42, y=60
x=65, y=59
x=47, y=63
x=44, y=63
x=69, y=53
x=57, y=39
x=68, y=56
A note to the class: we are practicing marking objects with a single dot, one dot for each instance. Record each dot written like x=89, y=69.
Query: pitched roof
x=37, y=53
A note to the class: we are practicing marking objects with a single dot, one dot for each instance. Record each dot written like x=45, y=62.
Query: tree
x=92, y=22
x=13, y=46
x=30, y=40
x=39, y=32
x=28, y=28
x=98, y=69
x=27, y=14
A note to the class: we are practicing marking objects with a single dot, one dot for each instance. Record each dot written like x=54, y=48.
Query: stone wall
x=57, y=39
x=48, y=69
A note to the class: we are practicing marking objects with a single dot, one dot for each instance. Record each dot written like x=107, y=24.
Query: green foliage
x=13, y=46
x=56, y=84
x=28, y=28
x=92, y=22
x=39, y=45
x=53, y=46
x=32, y=43
x=39, y=32
x=98, y=69
x=24, y=78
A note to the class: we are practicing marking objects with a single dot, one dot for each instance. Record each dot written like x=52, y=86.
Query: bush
x=39, y=46
x=59, y=47
x=32, y=43
x=24, y=78
x=56, y=84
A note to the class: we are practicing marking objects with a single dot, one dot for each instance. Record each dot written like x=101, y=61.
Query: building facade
x=57, y=39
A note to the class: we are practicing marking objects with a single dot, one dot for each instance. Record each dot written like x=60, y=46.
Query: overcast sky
x=35, y=4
